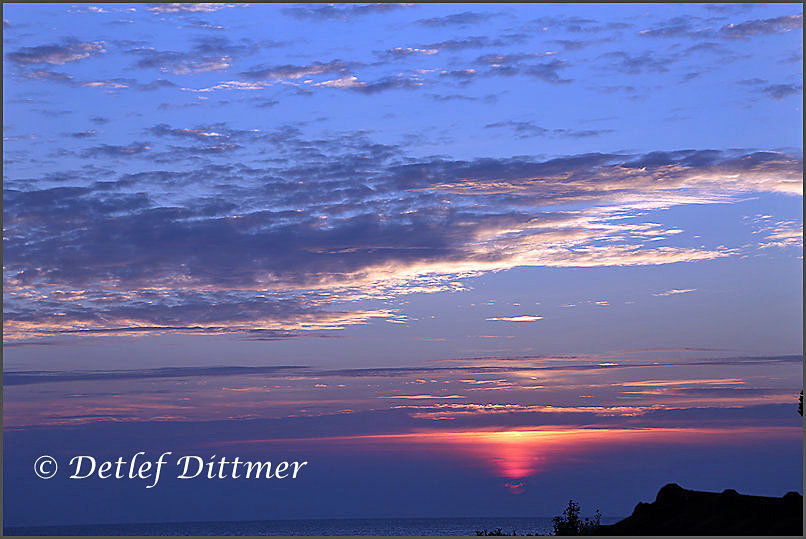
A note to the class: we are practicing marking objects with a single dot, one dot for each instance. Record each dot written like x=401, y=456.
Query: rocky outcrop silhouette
x=678, y=511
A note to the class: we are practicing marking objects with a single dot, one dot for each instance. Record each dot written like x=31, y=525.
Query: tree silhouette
x=570, y=523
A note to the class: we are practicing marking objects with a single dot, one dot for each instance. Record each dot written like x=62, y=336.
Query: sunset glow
x=462, y=260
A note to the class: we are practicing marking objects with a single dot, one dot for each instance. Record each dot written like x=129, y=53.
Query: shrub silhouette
x=570, y=523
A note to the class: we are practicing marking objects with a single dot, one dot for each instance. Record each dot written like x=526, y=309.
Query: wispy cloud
x=778, y=91
x=522, y=318
x=323, y=12
x=114, y=150
x=776, y=25
x=57, y=53
x=456, y=19
x=182, y=8
x=525, y=129
x=675, y=291
x=692, y=27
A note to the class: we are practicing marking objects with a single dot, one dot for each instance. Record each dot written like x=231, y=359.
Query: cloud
x=56, y=54
x=793, y=57
x=675, y=291
x=460, y=19
x=290, y=74
x=110, y=85
x=423, y=397
x=597, y=174
x=293, y=72
x=463, y=75
x=579, y=25
x=206, y=54
x=523, y=318
x=520, y=64
x=37, y=377
x=578, y=44
x=525, y=129
x=781, y=91
x=402, y=52
x=96, y=9
x=264, y=103
x=548, y=71
x=410, y=399
x=776, y=25
x=778, y=234
x=729, y=8
x=182, y=64
x=113, y=150
x=232, y=85
x=491, y=98
x=312, y=75
x=678, y=27
x=185, y=8
x=635, y=64
x=218, y=132
x=383, y=84
x=113, y=85
x=106, y=84
x=83, y=134
x=492, y=393
x=471, y=42
x=459, y=372
x=686, y=27
x=778, y=91
x=326, y=12
x=49, y=76
x=285, y=244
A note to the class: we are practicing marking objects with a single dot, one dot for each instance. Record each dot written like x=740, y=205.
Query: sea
x=345, y=526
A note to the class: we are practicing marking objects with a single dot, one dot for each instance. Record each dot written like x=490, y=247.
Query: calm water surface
x=374, y=526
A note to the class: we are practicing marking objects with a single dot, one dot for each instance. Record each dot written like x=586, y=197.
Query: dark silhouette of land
x=678, y=511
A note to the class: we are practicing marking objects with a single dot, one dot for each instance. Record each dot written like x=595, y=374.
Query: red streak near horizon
x=515, y=455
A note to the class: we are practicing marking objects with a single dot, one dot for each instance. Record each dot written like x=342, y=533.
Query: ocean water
x=370, y=526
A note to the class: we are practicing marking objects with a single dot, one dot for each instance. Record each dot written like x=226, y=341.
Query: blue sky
x=529, y=209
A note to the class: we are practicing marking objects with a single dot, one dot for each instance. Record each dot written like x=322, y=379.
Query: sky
x=467, y=259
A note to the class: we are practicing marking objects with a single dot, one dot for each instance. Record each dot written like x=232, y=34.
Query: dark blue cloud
x=57, y=53
x=456, y=19
x=328, y=12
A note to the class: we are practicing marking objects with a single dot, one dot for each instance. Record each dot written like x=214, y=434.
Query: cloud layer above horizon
x=287, y=223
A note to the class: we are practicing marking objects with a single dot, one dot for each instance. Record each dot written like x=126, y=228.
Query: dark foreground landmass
x=678, y=511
